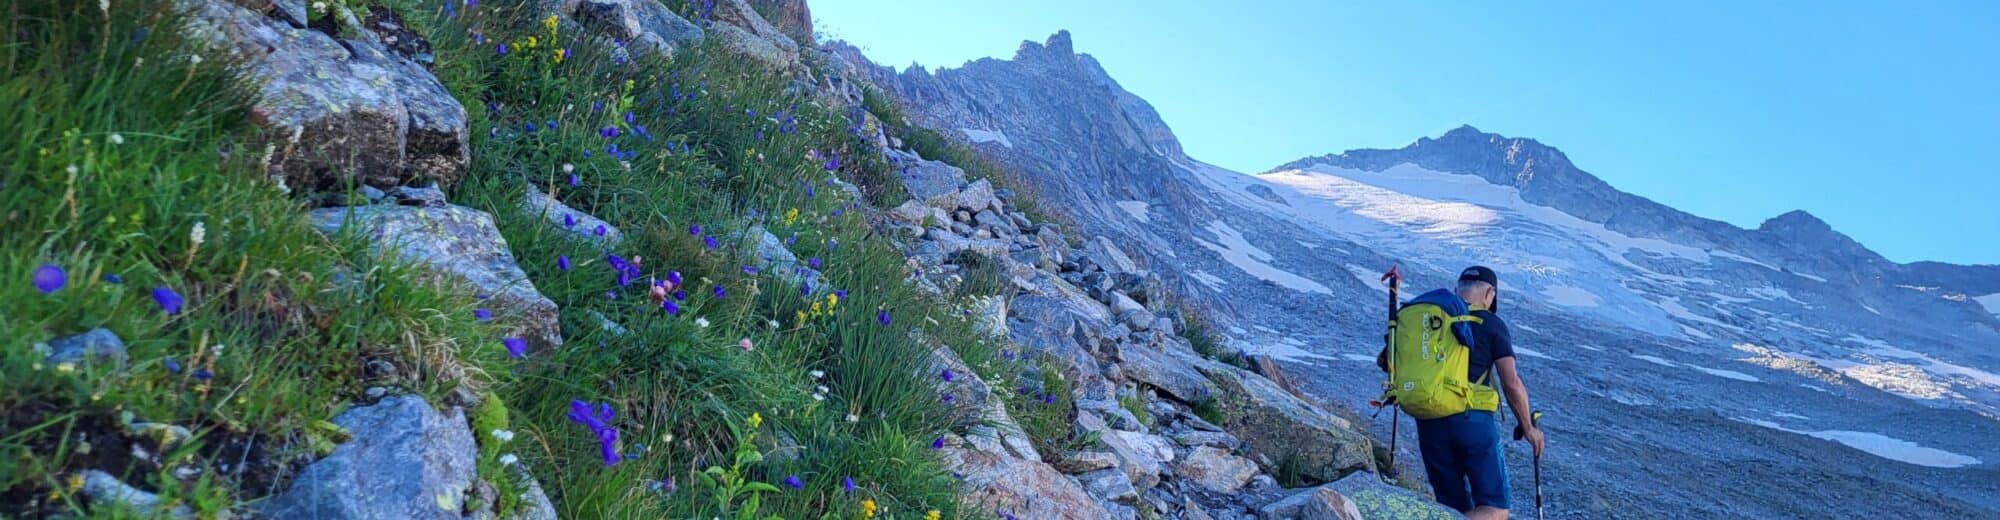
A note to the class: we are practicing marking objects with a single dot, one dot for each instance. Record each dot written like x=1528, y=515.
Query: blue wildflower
x=528, y=128
x=750, y=270
x=173, y=367
x=882, y=316
x=628, y=117
x=502, y=49
x=599, y=231
x=719, y=292
x=938, y=444
x=569, y=221
x=813, y=262
x=112, y=278
x=674, y=277
x=833, y=163
x=482, y=314
x=562, y=262
x=574, y=180
x=708, y=240
x=672, y=308
x=847, y=484
x=596, y=106
x=169, y=301
x=202, y=374
x=516, y=347
x=947, y=398
x=49, y=278
x=947, y=376
x=552, y=122
x=694, y=229
x=792, y=481
x=598, y=419
x=681, y=295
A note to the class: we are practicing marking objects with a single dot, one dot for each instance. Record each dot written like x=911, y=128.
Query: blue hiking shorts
x=1463, y=451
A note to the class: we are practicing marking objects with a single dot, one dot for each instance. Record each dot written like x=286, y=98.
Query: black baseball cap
x=1483, y=274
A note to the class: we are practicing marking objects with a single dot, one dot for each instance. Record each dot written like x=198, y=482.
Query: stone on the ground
x=1164, y=370
x=335, y=112
x=538, y=204
x=406, y=460
x=1000, y=483
x=458, y=245
x=1377, y=499
x=1143, y=457
x=647, y=23
x=770, y=254
x=1279, y=428
x=1109, y=256
x=98, y=345
x=740, y=27
x=1110, y=485
x=792, y=17
x=932, y=183
x=1319, y=503
x=107, y=493
x=1085, y=462
x=977, y=197
x=1215, y=470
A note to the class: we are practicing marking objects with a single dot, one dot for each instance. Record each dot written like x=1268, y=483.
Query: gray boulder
x=977, y=197
x=1109, y=485
x=534, y=203
x=995, y=481
x=1166, y=371
x=98, y=345
x=769, y=253
x=1215, y=470
x=1280, y=428
x=406, y=460
x=1321, y=503
x=741, y=28
x=647, y=23
x=457, y=245
x=338, y=111
x=932, y=183
x=1377, y=499
x=1110, y=257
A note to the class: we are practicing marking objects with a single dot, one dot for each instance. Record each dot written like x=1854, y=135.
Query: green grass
x=286, y=318
x=120, y=147
x=1205, y=343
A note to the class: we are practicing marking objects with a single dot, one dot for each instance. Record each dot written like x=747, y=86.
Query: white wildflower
x=819, y=397
x=569, y=168
x=822, y=389
x=197, y=234
x=701, y=322
x=104, y=5
x=509, y=459
x=194, y=59
x=818, y=374
x=503, y=435
x=71, y=169
x=117, y=139
x=319, y=6
x=853, y=418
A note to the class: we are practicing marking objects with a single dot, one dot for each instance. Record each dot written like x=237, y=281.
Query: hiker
x=1459, y=435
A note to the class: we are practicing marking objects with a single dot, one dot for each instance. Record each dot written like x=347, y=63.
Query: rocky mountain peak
x=1795, y=221
x=1057, y=47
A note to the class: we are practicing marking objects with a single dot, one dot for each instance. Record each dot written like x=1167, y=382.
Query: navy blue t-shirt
x=1490, y=342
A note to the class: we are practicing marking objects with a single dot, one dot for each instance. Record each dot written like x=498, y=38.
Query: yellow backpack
x=1427, y=361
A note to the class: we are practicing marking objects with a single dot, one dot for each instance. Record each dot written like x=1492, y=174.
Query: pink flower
x=745, y=344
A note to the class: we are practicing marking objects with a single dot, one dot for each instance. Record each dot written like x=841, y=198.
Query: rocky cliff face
x=1642, y=305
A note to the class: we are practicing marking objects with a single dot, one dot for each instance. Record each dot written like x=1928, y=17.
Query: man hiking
x=1457, y=431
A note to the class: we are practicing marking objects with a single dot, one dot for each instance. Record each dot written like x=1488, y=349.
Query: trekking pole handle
x=1533, y=417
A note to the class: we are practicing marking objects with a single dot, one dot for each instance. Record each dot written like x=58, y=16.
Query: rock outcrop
x=406, y=460
x=337, y=112
x=458, y=245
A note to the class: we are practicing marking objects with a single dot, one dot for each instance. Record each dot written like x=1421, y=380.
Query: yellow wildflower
x=868, y=508
x=933, y=515
x=550, y=24
x=791, y=216
x=832, y=300
x=755, y=420
x=75, y=482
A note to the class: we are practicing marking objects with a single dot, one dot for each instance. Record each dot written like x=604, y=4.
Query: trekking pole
x=1519, y=432
x=1395, y=281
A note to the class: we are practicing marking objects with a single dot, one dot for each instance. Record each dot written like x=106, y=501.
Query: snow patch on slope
x=1570, y=296
x=1880, y=445
x=1137, y=209
x=1991, y=302
x=987, y=136
x=1253, y=261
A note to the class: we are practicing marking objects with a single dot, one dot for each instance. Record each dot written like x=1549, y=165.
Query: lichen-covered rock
x=335, y=112
x=647, y=23
x=406, y=460
x=1377, y=499
x=1279, y=428
x=458, y=245
x=541, y=205
x=932, y=183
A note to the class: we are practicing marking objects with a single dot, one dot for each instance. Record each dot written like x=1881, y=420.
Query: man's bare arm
x=1517, y=393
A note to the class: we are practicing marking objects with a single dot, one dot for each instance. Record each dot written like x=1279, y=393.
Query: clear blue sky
x=1883, y=121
